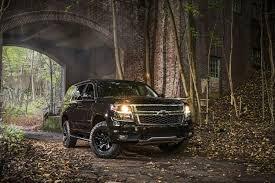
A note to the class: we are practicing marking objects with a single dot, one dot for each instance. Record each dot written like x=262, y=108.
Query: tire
x=172, y=147
x=68, y=140
x=100, y=142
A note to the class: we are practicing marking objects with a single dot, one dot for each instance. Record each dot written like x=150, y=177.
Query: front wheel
x=100, y=142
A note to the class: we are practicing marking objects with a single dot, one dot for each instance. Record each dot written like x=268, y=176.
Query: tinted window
x=89, y=92
x=124, y=89
x=77, y=95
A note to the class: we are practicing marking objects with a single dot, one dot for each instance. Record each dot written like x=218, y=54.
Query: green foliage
x=19, y=65
x=34, y=107
x=192, y=9
x=52, y=124
x=13, y=111
x=12, y=134
x=71, y=4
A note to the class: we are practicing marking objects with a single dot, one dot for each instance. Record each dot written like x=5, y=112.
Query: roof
x=105, y=80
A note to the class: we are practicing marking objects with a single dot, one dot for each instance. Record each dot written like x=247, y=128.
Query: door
x=88, y=102
x=76, y=114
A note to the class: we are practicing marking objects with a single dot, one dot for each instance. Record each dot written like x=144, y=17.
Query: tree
x=20, y=66
x=190, y=34
x=117, y=54
x=178, y=53
x=51, y=86
x=32, y=76
x=164, y=51
x=272, y=66
x=147, y=42
x=262, y=61
x=229, y=67
x=3, y=7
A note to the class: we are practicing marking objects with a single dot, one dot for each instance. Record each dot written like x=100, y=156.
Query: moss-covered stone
x=52, y=124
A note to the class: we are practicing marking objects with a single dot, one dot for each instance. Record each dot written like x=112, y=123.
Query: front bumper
x=123, y=132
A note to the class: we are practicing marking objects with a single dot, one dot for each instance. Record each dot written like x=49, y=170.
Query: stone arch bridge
x=78, y=34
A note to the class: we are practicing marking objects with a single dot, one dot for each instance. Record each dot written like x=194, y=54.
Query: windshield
x=125, y=89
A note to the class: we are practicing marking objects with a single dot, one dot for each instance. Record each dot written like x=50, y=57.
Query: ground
x=135, y=164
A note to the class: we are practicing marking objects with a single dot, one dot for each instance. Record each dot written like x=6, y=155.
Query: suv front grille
x=159, y=114
x=162, y=120
x=159, y=108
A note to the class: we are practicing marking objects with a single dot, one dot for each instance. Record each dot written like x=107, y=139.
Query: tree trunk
x=164, y=52
x=32, y=76
x=233, y=99
x=1, y=75
x=62, y=88
x=191, y=61
x=262, y=64
x=117, y=55
x=155, y=28
x=147, y=42
x=179, y=59
x=27, y=104
x=272, y=68
x=51, y=85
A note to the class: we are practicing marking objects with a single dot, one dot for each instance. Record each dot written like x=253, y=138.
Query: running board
x=80, y=138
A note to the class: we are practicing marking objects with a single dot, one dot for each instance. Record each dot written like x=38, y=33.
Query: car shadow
x=137, y=153
x=145, y=153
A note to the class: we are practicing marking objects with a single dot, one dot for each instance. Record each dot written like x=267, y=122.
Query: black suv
x=108, y=113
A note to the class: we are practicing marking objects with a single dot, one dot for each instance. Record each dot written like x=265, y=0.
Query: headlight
x=122, y=113
x=187, y=111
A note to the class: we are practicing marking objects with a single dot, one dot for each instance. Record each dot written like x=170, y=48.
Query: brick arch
x=39, y=50
x=46, y=15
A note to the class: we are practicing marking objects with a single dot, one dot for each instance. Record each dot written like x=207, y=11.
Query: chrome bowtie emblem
x=163, y=113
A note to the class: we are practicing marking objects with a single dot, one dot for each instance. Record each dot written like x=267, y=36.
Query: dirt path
x=139, y=164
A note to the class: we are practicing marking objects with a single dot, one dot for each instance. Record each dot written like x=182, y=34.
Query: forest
x=32, y=85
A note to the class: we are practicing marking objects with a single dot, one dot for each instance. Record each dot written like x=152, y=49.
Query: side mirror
x=162, y=95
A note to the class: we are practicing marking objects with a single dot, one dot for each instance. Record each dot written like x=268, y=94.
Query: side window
x=77, y=95
x=214, y=70
x=69, y=94
x=89, y=92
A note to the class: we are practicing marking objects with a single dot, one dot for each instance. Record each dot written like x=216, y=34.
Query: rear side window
x=78, y=92
x=69, y=94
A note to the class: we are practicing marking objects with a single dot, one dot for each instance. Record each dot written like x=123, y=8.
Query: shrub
x=12, y=134
x=52, y=124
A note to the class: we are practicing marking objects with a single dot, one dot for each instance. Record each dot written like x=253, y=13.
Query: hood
x=141, y=100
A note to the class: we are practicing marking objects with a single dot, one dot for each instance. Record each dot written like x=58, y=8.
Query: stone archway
x=79, y=59
x=38, y=16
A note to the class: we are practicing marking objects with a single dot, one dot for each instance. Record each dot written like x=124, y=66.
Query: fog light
x=123, y=137
x=116, y=123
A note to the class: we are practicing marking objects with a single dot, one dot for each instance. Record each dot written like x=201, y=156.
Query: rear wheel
x=100, y=142
x=68, y=140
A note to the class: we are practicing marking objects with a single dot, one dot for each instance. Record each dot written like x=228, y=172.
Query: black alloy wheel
x=101, y=143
